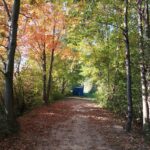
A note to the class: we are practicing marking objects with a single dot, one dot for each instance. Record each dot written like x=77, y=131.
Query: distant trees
x=92, y=18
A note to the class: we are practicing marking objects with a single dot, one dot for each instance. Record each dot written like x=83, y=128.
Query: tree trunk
x=128, y=67
x=49, y=86
x=147, y=46
x=63, y=86
x=143, y=66
x=9, y=97
x=147, y=37
x=147, y=23
x=44, y=75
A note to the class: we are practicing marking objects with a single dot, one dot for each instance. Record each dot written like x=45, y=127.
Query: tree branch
x=7, y=9
x=26, y=16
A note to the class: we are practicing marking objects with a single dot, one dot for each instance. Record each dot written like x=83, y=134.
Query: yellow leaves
x=67, y=53
x=2, y=34
x=33, y=2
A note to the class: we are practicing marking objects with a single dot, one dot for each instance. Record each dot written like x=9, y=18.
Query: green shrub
x=56, y=96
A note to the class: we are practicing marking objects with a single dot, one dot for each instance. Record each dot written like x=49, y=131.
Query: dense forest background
x=61, y=44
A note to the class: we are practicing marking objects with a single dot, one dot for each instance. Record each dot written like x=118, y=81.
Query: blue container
x=78, y=91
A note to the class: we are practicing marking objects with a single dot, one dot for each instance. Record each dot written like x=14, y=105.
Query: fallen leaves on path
x=72, y=124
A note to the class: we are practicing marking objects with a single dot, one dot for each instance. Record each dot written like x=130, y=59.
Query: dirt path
x=72, y=124
x=75, y=133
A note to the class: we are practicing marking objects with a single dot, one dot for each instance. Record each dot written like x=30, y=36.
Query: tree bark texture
x=128, y=67
x=143, y=69
x=9, y=69
x=44, y=75
x=49, y=86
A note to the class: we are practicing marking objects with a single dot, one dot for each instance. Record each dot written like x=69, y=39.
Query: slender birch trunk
x=143, y=70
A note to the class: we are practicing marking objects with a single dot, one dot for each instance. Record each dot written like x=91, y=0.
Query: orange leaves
x=68, y=53
x=43, y=28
